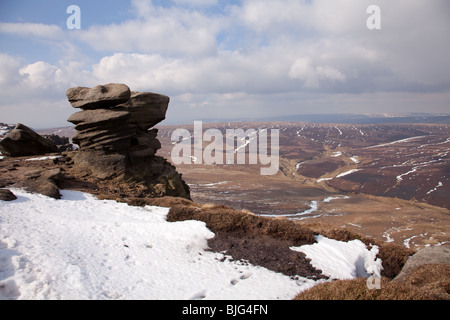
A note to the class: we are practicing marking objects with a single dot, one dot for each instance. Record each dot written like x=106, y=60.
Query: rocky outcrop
x=430, y=255
x=116, y=139
x=22, y=141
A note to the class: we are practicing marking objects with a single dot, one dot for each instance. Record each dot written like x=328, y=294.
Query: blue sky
x=54, y=11
x=227, y=59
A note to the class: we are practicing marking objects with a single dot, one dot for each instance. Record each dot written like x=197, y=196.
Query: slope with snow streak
x=83, y=248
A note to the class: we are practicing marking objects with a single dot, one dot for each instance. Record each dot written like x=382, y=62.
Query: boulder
x=7, y=195
x=46, y=187
x=42, y=181
x=52, y=174
x=429, y=255
x=102, y=96
x=22, y=141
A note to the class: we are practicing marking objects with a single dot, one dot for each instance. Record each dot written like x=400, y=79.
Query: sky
x=227, y=60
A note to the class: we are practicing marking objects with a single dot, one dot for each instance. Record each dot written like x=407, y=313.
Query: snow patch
x=342, y=260
x=347, y=173
x=43, y=158
x=324, y=179
x=400, y=177
x=435, y=188
x=394, y=142
x=335, y=198
x=336, y=154
x=354, y=159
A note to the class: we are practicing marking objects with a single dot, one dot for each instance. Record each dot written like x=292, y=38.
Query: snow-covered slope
x=80, y=247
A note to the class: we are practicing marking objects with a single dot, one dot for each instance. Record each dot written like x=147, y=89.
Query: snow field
x=83, y=248
x=80, y=247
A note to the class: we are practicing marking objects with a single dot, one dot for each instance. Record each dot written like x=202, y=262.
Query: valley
x=387, y=181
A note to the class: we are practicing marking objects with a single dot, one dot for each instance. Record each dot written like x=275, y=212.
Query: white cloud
x=32, y=30
x=8, y=70
x=224, y=73
x=303, y=69
x=303, y=18
x=41, y=79
x=196, y=3
x=40, y=74
x=158, y=35
x=171, y=31
x=33, y=94
x=412, y=45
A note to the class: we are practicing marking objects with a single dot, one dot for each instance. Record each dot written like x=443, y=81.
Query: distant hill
x=351, y=118
x=345, y=118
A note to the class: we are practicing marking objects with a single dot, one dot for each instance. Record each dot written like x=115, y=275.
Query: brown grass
x=356, y=289
x=434, y=279
x=220, y=218
x=165, y=202
x=427, y=282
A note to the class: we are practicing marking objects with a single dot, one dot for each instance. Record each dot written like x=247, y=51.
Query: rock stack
x=116, y=139
x=114, y=119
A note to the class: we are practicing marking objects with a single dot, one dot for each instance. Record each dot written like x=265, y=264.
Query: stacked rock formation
x=116, y=139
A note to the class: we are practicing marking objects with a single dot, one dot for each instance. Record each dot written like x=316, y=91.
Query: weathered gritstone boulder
x=429, y=255
x=7, y=195
x=22, y=141
x=105, y=96
x=43, y=181
x=116, y=140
